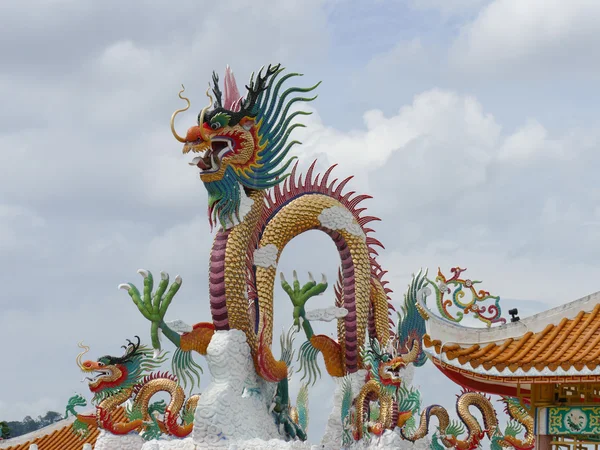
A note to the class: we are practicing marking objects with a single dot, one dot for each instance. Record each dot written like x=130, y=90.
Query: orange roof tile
x=64, y=438
x=570, y=344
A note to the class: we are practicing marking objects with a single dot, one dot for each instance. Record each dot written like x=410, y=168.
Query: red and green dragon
x=130, y=377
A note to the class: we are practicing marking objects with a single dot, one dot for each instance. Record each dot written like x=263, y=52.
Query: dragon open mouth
x=393, y=371
x=97, y=375
x=210, y=162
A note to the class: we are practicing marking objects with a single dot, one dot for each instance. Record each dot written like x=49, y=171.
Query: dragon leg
x=332, y=354
x=197, y=339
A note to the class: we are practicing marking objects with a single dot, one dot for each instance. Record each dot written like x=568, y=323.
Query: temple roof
x=58, y=436
x=561, y=342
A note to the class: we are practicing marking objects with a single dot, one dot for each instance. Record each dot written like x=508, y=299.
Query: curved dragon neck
x=227, y=274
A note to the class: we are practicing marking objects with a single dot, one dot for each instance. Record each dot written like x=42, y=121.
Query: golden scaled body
x=525, y=419
x=380, y=310
x=141, y=401
x=300, y=215
x=463, y=405
x=235, y=270
x=372, y=391
x=423, y=429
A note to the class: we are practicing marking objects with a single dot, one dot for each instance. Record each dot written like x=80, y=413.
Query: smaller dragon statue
x=519, y=419
x=131, y=377
x=449, y=431
x=384, y=385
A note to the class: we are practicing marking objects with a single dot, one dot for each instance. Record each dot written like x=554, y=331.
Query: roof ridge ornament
x=452, y=292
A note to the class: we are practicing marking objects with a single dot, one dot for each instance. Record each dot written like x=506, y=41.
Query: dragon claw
x=295, y=275
x=178, y=279
x=124, y=286
x=164, y=276
x=143, y=273
x=323, y=279
x=310, y=277
x=282, y=278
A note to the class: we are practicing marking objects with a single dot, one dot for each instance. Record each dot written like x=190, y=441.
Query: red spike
x=359, y=198
x=373, y=241
x=345, y=199
x=367, y=219
x=338, y=190
x=309, y=174
x=326, y=176
x=331, y=187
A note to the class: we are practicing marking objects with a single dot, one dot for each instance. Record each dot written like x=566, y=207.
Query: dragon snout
x=89, y=366
x=397, y=364
x=193, y=134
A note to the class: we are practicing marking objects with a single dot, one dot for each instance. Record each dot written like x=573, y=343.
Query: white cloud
x=94, y=187
x=448, y=7
x=530, y=35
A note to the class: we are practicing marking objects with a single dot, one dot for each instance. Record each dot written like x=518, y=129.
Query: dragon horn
x=85, y=350
x=411, y=356
x=179, y=138
x=201, y=121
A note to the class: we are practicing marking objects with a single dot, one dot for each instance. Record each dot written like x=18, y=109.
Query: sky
x=473, y=123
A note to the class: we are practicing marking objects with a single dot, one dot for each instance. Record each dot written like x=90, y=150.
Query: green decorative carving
x=582, y=420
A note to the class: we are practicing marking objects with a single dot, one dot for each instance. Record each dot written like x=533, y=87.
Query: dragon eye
x=215, y=125
x=100, y=364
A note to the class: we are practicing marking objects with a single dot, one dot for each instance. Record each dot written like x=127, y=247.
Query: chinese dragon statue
x=240, y=146
x=119, y=379
x=448, y=431
x=258, y=203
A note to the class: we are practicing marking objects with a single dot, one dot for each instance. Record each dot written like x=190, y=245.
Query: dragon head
x=386, y=366
x=113, y=374
x=240, y=142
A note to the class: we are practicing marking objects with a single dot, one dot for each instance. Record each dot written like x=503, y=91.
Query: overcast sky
x=473, y=123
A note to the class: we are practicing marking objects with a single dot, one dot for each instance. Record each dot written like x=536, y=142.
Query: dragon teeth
x=195, y=161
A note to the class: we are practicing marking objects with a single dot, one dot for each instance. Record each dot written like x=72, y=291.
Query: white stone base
x=109, y=441
x=235, y=406
x=391, y=439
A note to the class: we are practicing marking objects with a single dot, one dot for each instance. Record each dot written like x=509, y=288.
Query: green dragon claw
x=300, y=295
x=154, y=307
x=75, y=401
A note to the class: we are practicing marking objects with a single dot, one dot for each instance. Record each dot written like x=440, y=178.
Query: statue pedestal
x=332, y=439
x=235, y=406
